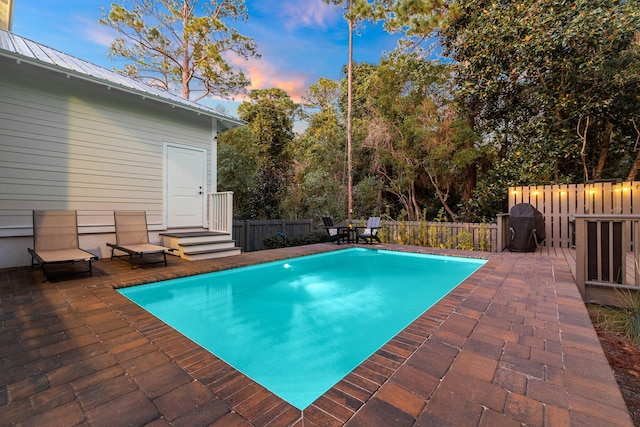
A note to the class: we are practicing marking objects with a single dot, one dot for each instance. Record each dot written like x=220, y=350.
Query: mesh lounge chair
x=370, y=232
x=335, y=232
x=55, y=240
x=132, y=237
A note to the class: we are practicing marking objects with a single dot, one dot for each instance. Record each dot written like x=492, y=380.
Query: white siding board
x=70, y=145
x=26, y=176
x=83, y=168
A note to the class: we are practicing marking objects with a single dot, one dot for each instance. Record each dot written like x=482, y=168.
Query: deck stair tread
x=212, y=251
x=198, y=245
x=188, y=234
x=205, y=242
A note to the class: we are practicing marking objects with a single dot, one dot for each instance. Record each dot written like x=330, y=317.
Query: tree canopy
x=527, y=93
x=182, y=46
x=270, y=114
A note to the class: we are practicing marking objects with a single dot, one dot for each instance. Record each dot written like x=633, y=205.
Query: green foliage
x=318, y=186
x=465, y=241
x=532, y=93
x=550, y=86
x=280, y=240
x=270, y=187
x=238, y=168
x=485, y=238
x=551, y=77
x=437, y=234
x=314, y=195
x=270, y=113
x=408, y=135
x=168, y=46
x=624, y=320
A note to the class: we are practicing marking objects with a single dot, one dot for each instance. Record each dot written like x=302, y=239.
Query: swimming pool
x=298, y=326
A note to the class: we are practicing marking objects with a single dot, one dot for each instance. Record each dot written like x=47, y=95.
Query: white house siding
x=66, y=143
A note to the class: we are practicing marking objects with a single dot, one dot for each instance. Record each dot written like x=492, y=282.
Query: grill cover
x=526, y=228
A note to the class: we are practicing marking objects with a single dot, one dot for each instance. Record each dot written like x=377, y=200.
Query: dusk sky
x=300, y=41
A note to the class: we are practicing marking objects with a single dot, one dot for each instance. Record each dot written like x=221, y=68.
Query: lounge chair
x=55, y=240
x=132, y=237
x=370, y=232
x=335, y=232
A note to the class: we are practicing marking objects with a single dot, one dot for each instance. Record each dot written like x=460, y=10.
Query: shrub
x=623, y=320
x=280, y=240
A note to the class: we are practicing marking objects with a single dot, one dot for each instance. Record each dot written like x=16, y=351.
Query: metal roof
x=14, y=46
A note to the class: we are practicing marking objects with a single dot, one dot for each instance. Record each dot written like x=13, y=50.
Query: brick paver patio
x=512, y=345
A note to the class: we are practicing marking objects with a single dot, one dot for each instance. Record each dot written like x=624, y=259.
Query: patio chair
x=335, y=232
x=132, y=237
x=55, y=240
x=370, y=232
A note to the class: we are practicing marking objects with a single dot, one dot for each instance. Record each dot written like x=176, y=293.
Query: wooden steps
x=198, y=245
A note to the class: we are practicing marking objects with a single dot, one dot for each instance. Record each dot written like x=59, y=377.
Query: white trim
x=165, y=180
x=214, y=156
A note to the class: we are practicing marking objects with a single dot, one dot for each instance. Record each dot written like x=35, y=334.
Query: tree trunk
x=583, y=151
x=604, y=152
x=470, y=180
x=186, y=93
x=633, y=172
x=442, y=196
x=349, y=119
x=470, y=173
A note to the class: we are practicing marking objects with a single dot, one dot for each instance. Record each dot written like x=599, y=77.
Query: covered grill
x=526, y=228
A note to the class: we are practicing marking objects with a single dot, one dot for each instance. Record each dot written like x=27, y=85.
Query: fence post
x=581, y=253
x=503, y=221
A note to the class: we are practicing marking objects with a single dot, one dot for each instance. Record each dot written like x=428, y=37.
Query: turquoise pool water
x=298, y=326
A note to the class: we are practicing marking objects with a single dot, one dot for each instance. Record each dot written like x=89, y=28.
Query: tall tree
x=417, y=138
x=549, y=70
x=554, y=78
x=238, y=160
x=354, y=11
x=270, y=113
x=170, y=45
x=319, y=184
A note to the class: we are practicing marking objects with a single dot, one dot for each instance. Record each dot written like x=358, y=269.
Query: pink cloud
x=264, y=75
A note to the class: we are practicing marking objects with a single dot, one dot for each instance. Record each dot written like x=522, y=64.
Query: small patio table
x=347, y=232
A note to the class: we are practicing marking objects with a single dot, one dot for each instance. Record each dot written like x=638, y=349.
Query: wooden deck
x=608, y=294
x=568, y=254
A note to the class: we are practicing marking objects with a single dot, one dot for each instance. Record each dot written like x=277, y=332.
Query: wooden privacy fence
x=560, y=203
x=250, y=234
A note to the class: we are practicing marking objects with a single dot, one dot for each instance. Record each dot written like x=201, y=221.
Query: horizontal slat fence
x=558, y=203
x=250, y=234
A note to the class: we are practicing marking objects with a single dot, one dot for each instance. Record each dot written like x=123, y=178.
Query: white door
x=186, y=191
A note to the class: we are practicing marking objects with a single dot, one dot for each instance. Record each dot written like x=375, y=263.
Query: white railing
x=607, y=253
x=221, y=212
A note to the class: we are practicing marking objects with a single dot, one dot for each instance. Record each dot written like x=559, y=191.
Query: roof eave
x=227, y=122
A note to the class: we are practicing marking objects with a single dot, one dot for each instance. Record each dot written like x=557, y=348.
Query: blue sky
x=299, y=40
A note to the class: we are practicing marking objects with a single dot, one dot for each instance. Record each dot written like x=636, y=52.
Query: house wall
x=67, y=143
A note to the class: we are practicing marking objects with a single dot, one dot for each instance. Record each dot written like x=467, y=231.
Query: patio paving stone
x=511, y=345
